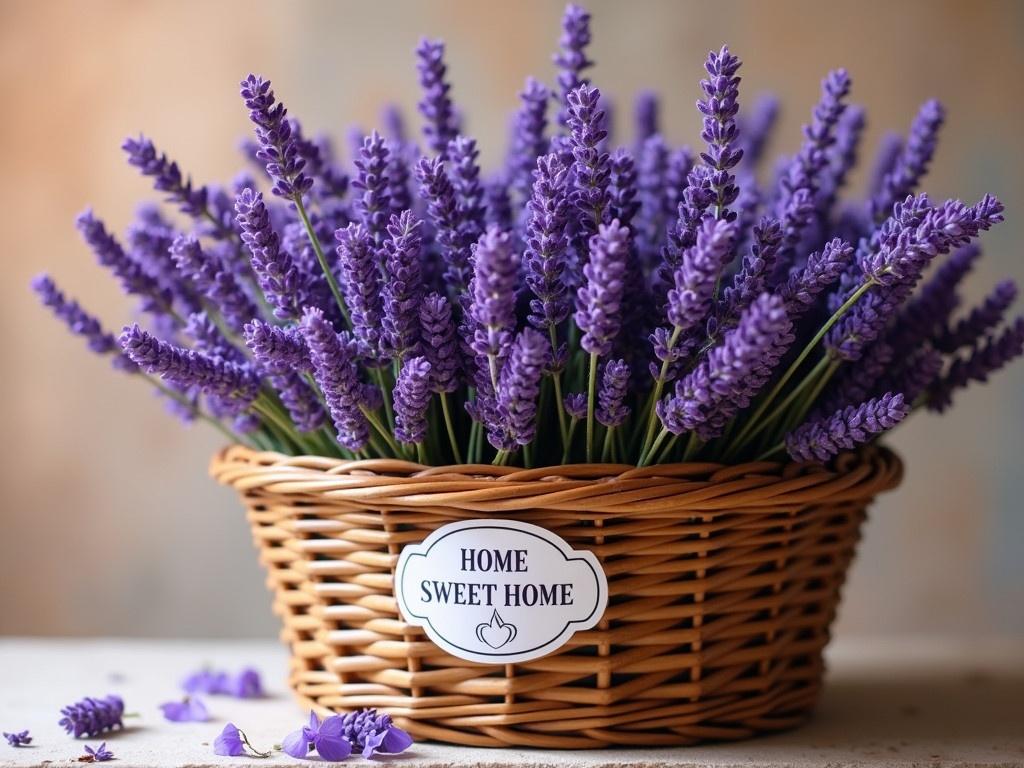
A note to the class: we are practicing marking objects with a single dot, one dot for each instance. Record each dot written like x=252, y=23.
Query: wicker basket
x=722, y=581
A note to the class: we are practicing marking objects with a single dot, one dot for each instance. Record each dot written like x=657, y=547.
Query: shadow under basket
x=723, y=582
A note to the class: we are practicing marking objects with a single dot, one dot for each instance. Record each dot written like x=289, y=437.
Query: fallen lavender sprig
x=581, y=301
x=18, y=738
x=91, y=717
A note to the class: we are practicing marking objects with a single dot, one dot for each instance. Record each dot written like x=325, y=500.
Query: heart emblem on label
x=496, y=632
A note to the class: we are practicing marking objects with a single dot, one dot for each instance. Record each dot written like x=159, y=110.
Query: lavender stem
x=450, y=427
x=591, y=397
x=321, y=259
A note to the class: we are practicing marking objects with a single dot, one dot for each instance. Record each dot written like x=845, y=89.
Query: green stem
x=324, y=266
x=421, y=454
x=450, y=427
x=693, y=445
x=771, y=451
x=777, y=389
x=659, y=384
x=556, y=378
x=606, y=449
x=378, y=374
x=371, y=417
x=231, y=435
x=568, y=444
x=646, y=459
x=591, y=397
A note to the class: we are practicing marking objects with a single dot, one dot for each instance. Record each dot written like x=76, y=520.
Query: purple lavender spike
x=822, y=269
x=719, y=108
x=167, y=177
x=499, y=202
x=846, y=429
x=336, y=372
x=373, y=204
x=983, y=318
x=441, y=124
x=277, y=147
x=655, y=211
x=442, y=207
x=572, y=59
x=275, y=271
x=912, y=162
x=694, y=281
x=622, y=189
x=528, y=139
x=985, y=358
x=646, y=117
x=518, y=389
x=592, y=164
x=277, y=348
x=469, y=192
x=611, y=408
x=437, y=331
x=856, y=383
x=493, y=293
x=545, y=259
x=758, y=263
x=599, y=299
x=214, y=280
x=403, y=286
x=412, y=396
x=361, y=286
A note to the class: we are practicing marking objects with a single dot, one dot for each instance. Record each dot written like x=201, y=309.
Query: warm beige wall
x=108, y=524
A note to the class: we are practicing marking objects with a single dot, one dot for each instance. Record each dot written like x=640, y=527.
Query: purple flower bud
x=695, y=279
x=546, y=244
x=856, y=383
x=442, y=207
x=981, y=319
x=166, y=176
x=211, y=278
x=846, y=429
x=80, y=322
x=599, y=299
x=278, y=278
x=758, y=263
x=412, y=396
x=437, y=332
x=277, y=147
x=821, y=270
x=911, y=164
x=373, y=733
x=372, y=204
x=493, y=293
x=518, y=389
x=232, y=382
x=499, y=202
x=188, y=710
x=98, y=754
x=927, y=313
x=592, y=164
x=334, y=358
x=276, y=348
x=326, y=738
x=403, y=286
x=441, y=124
x=622, y=189
x=719, y=108
x=110, y=254
x=646, y=116
x=361, y=286
x=18, y=738
x=611, y=407
x=572, y=59
x=576, y=405
x=469, y=192
x=528, y=140
x=91, y=717
x=984, y=358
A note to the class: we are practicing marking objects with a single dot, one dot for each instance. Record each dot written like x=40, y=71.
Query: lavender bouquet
x=583, y=302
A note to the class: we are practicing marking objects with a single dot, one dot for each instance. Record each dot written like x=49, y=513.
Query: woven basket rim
x=602, y=488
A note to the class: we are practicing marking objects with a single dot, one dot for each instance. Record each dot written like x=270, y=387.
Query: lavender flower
x=622, y=187
x=592, y=164
x=373, y=203
x=188, y=710
x=756, y=128
x=469, y=192
x=437, y=190
x=646, y=116
x=98, y=755
x=278, y=277
x=611, y=407
x=697, y=275
x=441, y=125
x=846, y=429
x=655, y=208
x=18, y=738
x=528, y=140
x=208, y=681
x=758, y=263
x=277, y=146
x=856, y=383
x=326, y=737
x=403, y=286
x=334, y=366
x=719, y=108
x=374, y=733
x=90, y=717
x=166, y=176
x=925, y=314
x=572, y=59
x=133, y=279
x=361, y=286
x=576, y=405
x=981, y=319
x=277, y=348
x=518, y=389
x=214, y=280
x=188, y=368
x=412, y=396
x=546, y=244
x=79, y=321
x=437, y=332
x=821, y=270
x=985, y=358
x=499, y=202
x=299, y=399
x=911, y=164
x=599, y=300
x=493, y=292
x=720, y=384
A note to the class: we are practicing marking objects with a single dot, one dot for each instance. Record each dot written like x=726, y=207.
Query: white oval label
x=499, y=591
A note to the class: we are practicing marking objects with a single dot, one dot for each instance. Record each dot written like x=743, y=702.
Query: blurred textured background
x=109, y=524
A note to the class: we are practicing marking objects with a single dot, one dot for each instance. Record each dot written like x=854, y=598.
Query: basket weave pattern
x=723, y=583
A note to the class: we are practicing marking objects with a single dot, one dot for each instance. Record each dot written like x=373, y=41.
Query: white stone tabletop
x=903, y=702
